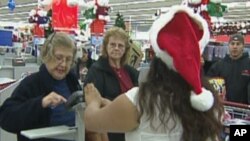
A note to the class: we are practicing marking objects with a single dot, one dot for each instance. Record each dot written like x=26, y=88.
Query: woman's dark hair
x=167, y=92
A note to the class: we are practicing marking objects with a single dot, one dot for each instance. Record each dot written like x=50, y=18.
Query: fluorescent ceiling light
x=21, y=5
x=10, y=14
x=136, y=2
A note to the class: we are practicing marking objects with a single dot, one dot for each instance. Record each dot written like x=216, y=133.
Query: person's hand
x=105, y=102
x=52, y=100
x=92, y=94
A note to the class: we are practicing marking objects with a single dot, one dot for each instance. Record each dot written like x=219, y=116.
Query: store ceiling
x=136, y=11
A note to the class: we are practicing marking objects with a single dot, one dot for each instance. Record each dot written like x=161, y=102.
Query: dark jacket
x=105, y=80
x=237, y=77
x=88, y=64
x=23, y=110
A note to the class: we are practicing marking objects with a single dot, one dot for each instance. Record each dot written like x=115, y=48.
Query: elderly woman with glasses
x=39, y=99
x=110, y=74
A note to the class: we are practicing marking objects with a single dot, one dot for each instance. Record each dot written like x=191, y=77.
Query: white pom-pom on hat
x=203, y=101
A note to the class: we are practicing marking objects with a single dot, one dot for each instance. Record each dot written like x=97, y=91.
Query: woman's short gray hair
x=56, y=39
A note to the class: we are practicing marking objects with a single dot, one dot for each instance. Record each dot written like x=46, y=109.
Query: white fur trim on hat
x=166, y=18
x=203, y=101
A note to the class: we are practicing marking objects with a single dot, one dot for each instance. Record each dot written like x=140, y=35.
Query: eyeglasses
x=60, y=59
x=114, y=45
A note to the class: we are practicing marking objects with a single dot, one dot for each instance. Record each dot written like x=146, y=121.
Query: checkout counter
x=13, y=67
x=10, y=77
x=16, y=74
x=4, y=94
x=76, y=133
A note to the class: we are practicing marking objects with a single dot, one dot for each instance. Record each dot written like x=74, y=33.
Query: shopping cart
x=237, y=114
x=237, y=110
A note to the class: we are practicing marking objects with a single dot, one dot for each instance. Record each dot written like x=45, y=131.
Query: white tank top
x=144, y=132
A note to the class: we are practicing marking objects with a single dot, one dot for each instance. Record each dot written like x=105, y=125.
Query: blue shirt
x=60, y=115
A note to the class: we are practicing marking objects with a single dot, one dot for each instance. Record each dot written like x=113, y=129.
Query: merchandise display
x=6, y=38
x=26, y=24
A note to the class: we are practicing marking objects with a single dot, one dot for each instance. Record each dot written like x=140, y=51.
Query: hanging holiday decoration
x=83, y=25
x=38, y=16
x=200, y=7
x=86, y=4
x=40, y=19
x=11, y=5
x=49, y=13
x=96, y=15
x=102, y=10
x=45, y=4
x=72, y=3
x=216, y=10
x=195, y=5
x=204, y=13
x=80, y=37
x=88, y=12
x=119, y=21
x=97, y=27
x=64, y=17
x=87, y=8
x=38, y=31
x=32, y=16
x=48, y=29
x=89, y=15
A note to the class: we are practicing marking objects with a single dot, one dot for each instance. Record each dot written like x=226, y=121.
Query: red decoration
x=38, y=31
x=97, y=26
x=63, y=16
x=102, y=9
x=205, y=14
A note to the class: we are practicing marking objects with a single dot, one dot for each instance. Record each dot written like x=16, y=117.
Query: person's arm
x=120, y=115
x=20, y=112
x=214, y=70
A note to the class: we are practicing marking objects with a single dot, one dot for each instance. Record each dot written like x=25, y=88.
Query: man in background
x=235, y=70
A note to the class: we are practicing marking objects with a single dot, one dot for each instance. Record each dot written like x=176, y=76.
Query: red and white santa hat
x=178, y=38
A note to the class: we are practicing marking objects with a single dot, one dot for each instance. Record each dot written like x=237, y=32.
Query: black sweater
x=23, y=110
x=105, y=80
x=236, y=74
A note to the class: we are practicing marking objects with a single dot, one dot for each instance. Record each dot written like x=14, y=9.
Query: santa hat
x=178, y=38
